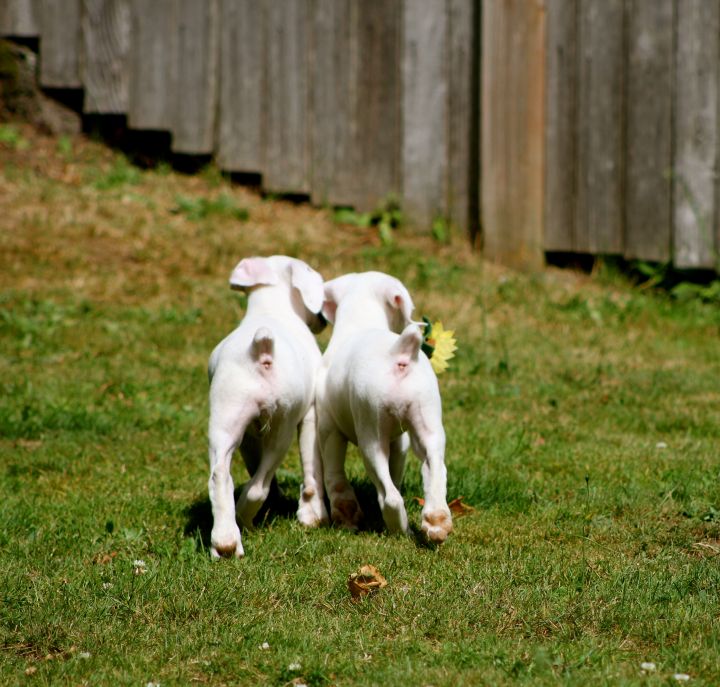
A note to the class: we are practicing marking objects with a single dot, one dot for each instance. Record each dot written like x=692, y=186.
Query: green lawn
x=583, y=424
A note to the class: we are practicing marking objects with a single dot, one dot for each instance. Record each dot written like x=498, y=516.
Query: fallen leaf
x=367, y=580
x=456, y=506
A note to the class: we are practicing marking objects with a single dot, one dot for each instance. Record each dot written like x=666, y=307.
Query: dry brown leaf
x=456, y=506
x=367, y=580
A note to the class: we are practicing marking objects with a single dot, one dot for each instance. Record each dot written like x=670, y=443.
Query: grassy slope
x=593, y=547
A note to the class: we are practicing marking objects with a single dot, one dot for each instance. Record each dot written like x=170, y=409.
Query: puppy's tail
x=405, y=350
x=263, y=347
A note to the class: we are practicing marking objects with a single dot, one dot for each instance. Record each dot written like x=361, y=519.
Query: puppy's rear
x=379, y=391
x=262, y=378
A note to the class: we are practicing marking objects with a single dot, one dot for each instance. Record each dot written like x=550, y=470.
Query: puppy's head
x=291, y=277
x=360, y=291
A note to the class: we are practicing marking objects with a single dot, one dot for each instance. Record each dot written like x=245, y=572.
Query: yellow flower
x=444, y=344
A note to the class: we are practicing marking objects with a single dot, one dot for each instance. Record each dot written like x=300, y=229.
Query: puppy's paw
x=346, y=512
x=437, y=525
x=311, y=509
x=226, y=543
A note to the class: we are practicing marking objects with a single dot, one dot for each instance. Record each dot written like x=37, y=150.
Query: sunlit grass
x=582, y=421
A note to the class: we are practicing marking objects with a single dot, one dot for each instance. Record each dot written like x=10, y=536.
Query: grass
x=582, y=421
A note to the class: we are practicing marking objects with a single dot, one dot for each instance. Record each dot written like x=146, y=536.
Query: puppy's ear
x=399, y=299
x=252, y=272
x=334, y=291
x=310, y=285
x=329, y=309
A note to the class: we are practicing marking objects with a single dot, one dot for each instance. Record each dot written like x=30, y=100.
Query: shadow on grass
x=279, y=504
x=282, y=504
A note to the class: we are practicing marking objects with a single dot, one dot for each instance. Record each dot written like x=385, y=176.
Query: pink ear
x=329, y=309
x=251, y=272
x=310, y=285
x=334, y=291
x=399, y=298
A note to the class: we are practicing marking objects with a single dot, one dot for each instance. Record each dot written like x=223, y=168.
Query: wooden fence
x=632, y=129
x=587, y=126
x=347, y=101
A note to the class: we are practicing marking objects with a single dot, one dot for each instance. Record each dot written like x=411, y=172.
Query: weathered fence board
x=561, y=125
x=376, y=49
x=425, y=110
x=648, y=196
x=20, y=18
x=61, y=41
x=696, y=133
x=287, y=133
x=596, y=128
x=241, y=90
x=153, y=64
x=463, y=117
x=599, y=211
x=193, y=125
x=333, y=102
x=512, y=131
x=104, y=64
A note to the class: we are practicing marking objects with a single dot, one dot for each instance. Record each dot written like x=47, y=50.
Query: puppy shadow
x=282, y=504
x=279, y=504
x=372, y=515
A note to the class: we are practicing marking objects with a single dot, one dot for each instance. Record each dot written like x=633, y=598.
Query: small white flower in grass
x=681, y=677
x=152, y=684
x=140, y=566
x=648, y=666
x=107, y=585
x=84, y=655
x=264, y=646
x=294, y=667
x=661, y=444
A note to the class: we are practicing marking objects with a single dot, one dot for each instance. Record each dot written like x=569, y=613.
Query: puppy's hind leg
x=311, y=508
x=344, y=507
x=274, y=447
x=429, y=446
x=398, y=452
x=251, y=451
x=226, y=430
x=376, y=454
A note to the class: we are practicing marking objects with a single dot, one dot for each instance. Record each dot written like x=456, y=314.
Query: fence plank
x=512, y=131
x=60, y=44
x=20, y=18
x=105, y=53
x=333, y=103
x=463, y=117
x=648, y=202
x=560, y=129
x=287, y=152
x=599, y=219
x=376, y=45
x=153, y=62
x=696, y=137
x=242, y=66
x=425, y=110
x=193, y=127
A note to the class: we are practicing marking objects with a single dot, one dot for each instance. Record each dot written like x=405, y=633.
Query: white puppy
x=373, y=385
x=262, y=380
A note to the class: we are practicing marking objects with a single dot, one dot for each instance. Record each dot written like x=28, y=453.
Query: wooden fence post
x=696, y=133
x=106, y=46
x=512, y=107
